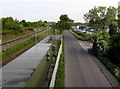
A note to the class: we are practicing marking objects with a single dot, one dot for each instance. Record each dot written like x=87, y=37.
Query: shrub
x=114, y=51
x=80, y=35
x=100, y=43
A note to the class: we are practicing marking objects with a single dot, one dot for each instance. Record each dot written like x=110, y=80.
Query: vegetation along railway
x=6, y=45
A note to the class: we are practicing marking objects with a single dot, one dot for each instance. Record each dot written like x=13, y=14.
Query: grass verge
x=80, y=36
x=110, y=66
x=59, y=82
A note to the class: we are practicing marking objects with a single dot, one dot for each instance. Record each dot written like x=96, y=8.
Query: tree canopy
x=102, y=18
x=13, y=25
x=10, y=23
x=65, y=23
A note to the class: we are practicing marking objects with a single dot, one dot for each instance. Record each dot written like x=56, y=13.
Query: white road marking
x=82, y=46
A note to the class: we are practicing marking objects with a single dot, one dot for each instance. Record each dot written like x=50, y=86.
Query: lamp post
x=36, y=40
x=36, y=34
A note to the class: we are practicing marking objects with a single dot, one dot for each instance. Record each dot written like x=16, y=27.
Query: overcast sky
x=50, y=10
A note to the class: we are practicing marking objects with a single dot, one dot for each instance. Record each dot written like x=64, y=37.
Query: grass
x=59, y=82
x=19, y=35
x=5, y=31
x=16, y=37
x=110, y=66
x=19, y=47
x=80, y=36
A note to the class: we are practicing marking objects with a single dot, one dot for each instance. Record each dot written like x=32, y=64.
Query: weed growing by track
x=18, y=48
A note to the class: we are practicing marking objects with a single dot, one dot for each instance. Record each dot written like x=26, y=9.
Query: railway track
x=6, y=45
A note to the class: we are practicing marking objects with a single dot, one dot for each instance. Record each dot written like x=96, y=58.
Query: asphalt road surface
x=80, y=69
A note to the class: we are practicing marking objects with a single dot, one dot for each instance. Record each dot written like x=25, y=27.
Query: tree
x=45, y=23
x=82, y=27
x=111, y=20
x=119, y=18
x=103, y=43
x=65, y=23
x=93, y=17
x=7, y=23
x=54, y=26
x=100, y=43
x=10, y=24
x=114, y=51
x=24, y=23
x=99, y=18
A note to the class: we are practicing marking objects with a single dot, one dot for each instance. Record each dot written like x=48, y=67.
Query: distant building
x=77, y=26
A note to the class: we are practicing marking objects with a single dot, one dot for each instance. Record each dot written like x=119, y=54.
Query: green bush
x=60, y=73
x=5, y=31
x=18, y=26
x=80, y=35
x=111, y=66
x=59, y=82
x=114, y=51
x=100, y=42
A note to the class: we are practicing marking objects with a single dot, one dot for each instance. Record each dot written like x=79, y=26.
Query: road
x=80, y=68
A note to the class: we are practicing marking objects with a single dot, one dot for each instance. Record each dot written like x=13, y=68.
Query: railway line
x=8, y=44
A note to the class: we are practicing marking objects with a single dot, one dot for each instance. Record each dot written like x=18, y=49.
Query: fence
x=52, y=83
